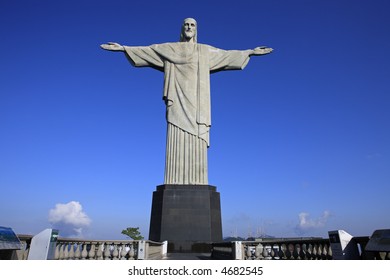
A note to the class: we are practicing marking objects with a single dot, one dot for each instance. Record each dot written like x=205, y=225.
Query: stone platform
x=187, y=216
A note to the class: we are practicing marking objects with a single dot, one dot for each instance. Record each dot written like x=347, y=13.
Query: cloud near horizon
x=69, y=219
x=307, y=224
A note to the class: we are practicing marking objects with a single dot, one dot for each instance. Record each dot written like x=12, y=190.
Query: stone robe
x=187, y=68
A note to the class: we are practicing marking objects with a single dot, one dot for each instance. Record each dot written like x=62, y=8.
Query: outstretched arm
x=115, y=47
x=261, y=51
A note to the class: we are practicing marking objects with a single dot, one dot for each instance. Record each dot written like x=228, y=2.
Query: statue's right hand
x=111, y=46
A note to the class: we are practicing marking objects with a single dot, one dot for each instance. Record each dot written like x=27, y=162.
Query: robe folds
x=187, y=67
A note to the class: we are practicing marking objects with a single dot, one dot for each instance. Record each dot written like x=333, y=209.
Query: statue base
x=187, y=216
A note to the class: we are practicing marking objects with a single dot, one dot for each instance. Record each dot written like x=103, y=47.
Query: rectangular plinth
x=187, y=216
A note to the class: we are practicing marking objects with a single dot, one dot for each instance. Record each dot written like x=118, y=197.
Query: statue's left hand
x=262, y=50
x=112, y=47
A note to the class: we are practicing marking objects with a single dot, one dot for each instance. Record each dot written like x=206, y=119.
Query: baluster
x=57, y=252
x=290, y=251
x=315, y=252
x=131, y=251
x=259, y=250
x=71, y=250
x=123, y=252
x=330, y=253
x=325, y=252
x=99, y=253
x=91, y=253
x=302, y=254
x=309, y=253
x=265, y=252
x=320, y=255
x=248, y=252
x=128, y=247
x=66, y=251
x=282, y=251
x=297, y=250
x=61, y=254
x=115, y=252
x=84, y=252
x=107, y=253
x=277, y=251
x=272, y=253
x=77, y=253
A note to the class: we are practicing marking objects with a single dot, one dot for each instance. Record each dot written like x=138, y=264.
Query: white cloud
x=307, y=224
x=69, y=218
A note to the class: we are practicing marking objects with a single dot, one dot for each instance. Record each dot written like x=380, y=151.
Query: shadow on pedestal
x=188, y=216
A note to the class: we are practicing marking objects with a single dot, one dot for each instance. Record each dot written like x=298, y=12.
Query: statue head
x=189, y=31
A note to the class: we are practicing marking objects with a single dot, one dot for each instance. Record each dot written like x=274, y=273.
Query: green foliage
x=133, y=233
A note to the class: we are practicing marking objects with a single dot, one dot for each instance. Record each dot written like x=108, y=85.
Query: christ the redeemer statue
x=187, y=66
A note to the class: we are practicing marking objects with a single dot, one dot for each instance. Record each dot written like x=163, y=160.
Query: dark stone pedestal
x=188, y=216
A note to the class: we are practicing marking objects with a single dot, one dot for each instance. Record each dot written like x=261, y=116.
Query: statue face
x=189, y=29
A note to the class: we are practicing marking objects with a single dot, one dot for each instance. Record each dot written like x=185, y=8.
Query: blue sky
x=300, y=142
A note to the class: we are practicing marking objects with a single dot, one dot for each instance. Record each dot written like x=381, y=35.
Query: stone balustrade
x=288, y=249
x=262, y=249
x=293, y=250
x=97, y=250
x=274, y=249
x=78, y=249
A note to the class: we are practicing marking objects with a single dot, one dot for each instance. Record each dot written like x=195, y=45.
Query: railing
x=96, y=250
x=22, y=254
x=264, y=249
x=274, y=249
x=288, y=249
x=77, y=249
